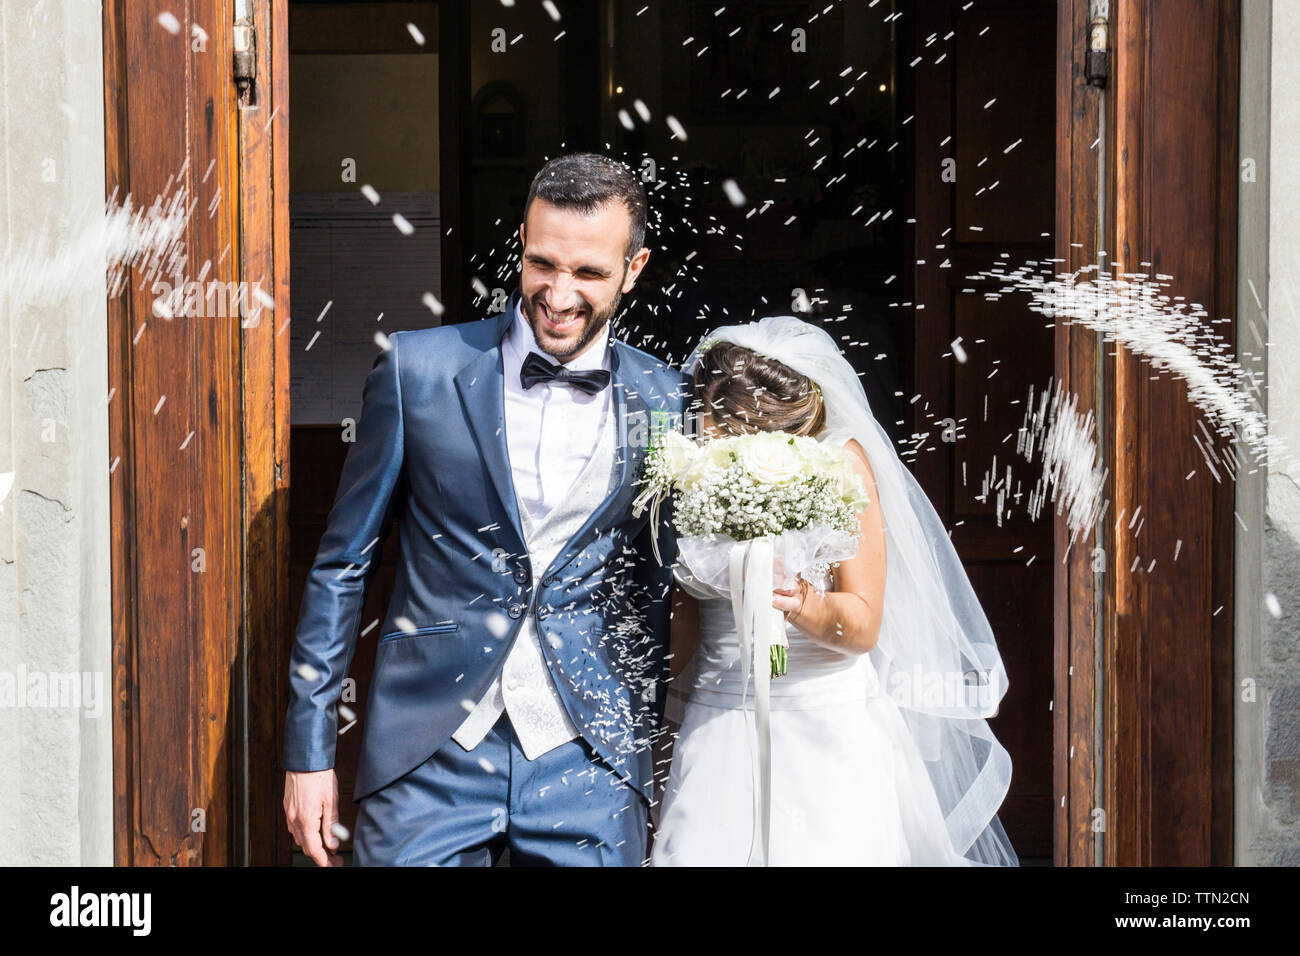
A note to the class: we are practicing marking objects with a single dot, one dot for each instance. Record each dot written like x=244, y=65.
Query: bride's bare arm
x=683, y=632
x=848, y=616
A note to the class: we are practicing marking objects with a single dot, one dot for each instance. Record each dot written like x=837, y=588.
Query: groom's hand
x=311, y=807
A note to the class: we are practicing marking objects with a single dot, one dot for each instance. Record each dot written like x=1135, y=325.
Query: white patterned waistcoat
x=525, y=689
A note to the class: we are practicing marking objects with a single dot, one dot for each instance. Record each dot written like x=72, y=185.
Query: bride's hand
x=790, y=600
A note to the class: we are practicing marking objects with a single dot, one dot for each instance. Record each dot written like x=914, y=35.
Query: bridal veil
x=936, y=655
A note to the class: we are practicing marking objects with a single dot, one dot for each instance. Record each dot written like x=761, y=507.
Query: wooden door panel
x=989, y=107
x=1004, y=68
x=1017, y=599
x=174, y=419
x=1008, y=348
x=1168, y=663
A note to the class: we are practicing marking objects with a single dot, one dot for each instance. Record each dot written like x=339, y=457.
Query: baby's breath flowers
x=750, y=486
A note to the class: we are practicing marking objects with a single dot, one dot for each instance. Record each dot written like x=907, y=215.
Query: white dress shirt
x=551, y=429
x=552, y=432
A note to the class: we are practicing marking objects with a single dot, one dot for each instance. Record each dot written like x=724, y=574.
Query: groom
x=518, y=682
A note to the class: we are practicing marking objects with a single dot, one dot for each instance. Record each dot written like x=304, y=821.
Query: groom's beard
x=593, y=324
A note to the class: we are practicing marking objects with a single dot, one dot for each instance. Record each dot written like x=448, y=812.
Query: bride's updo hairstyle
x=743, y=391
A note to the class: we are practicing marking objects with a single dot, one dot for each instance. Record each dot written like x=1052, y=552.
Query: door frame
x=199, y=682
x=198, y=707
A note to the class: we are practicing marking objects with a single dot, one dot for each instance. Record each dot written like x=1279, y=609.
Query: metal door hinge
x=1096, y=67
x=245, y=47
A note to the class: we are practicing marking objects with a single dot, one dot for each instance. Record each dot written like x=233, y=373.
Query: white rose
x=817, y=456
x=699, y=470
x=718, y=451
x=708, y=460
x=770, y=457
x=678, y=451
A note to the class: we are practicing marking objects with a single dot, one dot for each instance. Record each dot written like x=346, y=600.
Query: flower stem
x=779, y=660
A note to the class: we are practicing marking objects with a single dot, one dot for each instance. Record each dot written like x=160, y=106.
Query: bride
x=874, y=748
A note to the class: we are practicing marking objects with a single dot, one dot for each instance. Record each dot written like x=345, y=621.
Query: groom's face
x=575, y=272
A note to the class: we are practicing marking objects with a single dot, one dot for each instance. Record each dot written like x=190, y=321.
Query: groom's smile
x=561, y=322
x=565, y=335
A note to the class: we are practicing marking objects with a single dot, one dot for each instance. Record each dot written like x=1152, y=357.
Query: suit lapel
x=481, y=385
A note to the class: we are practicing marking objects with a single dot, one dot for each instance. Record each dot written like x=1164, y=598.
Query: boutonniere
x=656, y=473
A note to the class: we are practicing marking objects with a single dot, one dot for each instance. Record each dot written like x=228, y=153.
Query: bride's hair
x=743, y=391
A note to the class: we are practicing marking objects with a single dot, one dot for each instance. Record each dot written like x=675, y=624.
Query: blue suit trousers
x=464, y=808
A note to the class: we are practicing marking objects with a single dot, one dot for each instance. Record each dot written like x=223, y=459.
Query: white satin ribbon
x=759, y=625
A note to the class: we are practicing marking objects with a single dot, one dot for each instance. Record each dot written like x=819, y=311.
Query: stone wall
x=56, y=780
x=1267, y=733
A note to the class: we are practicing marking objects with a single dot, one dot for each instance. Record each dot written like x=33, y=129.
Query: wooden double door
x=213, y=528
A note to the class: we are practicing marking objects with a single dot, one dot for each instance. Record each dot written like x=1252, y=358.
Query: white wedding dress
x=866, y=765
x=849, y=787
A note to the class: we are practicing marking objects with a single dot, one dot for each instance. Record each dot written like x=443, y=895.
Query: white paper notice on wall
x=353, y=272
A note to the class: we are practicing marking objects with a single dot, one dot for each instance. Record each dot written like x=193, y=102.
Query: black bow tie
x=536, y=369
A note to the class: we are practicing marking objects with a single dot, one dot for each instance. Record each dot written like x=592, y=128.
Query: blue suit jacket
x=430, y=454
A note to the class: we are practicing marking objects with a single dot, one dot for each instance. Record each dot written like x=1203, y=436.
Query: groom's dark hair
x=586, y=182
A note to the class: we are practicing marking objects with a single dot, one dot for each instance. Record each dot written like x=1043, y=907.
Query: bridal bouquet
x=753, y=513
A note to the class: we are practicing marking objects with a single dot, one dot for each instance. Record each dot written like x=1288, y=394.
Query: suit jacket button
x=521, y=574
x=542, y=612
x=548, y=580
x=516, y=611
